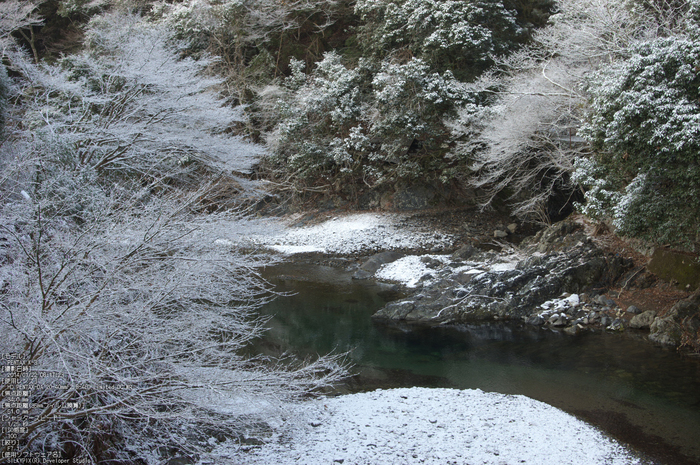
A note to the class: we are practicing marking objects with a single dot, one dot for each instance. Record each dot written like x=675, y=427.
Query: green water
x=640, y=394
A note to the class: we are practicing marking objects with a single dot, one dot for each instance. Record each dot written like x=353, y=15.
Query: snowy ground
x=349, y=234
x=438, y=426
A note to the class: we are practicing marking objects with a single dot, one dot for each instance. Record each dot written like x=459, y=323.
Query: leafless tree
x=17, y=16
x=125, y=305
x=529, y=134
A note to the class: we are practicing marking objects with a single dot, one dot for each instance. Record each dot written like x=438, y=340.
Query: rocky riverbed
x=563, y=277
x=559, y=278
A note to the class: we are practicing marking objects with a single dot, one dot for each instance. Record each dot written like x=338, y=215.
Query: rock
x=683, y=318
x=643, y=320
x=396, y=310
x=683, y=309
x=572, y=330
x=375, y=262
x=604, y=300
x=535, y=320
x=680, y=267
x=362, y=274
x=665, y=331
x=386, y=201
x=562, y=320
x=559, y=236
x=618, y=324
x=431, y=262
x=459, y=293
x=463, y=277
x=498, y=234
x=512, y=228
x=633, y=310
x=515, y=293
x=605, y=321
x=465, y=252
x=413, y=197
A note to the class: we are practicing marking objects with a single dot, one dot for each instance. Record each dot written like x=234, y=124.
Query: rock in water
x=643, y=320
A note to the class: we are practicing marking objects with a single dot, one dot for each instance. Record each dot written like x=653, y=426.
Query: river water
x=644, y=396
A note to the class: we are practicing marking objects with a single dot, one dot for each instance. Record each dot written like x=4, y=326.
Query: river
x=644, y=396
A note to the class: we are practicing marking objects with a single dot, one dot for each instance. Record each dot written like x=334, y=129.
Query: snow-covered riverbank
x=437, y=426
x=357, y=233
x=415, y=425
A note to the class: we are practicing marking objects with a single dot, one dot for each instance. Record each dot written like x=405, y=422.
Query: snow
x=557, y=305
x=437, y=426
x=502, y=266
x=408, y=270
x=349, y=234
x=295, y=249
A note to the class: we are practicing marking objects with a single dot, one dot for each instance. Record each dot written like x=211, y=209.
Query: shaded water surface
x=638, y=393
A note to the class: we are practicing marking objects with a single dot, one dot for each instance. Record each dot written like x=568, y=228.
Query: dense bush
x=381, y=118
x=369, y=122
x=645, y=124
x=458, y=36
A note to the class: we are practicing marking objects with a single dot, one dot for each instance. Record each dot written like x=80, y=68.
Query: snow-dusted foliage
x=411, y=101
x=253, y=38
x=601, y=193
x=362, y=121
x=254, y=19
x=528, y=130
x=128, y=104
x=136, y=318
x=450, y=35
x=381, y=117
x=645, y=121
x=317, y=115
x=119, y=299
x=15, y=15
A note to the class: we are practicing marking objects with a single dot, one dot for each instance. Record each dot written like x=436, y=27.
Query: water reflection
x=641, y=394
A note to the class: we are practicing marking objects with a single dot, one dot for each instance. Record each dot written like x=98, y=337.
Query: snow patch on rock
x=559, y=305
x=409, y=270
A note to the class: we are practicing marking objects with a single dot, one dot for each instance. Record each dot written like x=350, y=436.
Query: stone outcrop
x=375, y=262
x=679, y=267
x=682, y=320
x=643, y=320
x=560, y=259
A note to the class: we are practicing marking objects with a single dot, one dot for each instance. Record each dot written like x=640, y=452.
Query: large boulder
x=665, y=331
x=681, y=322
x=375, y=262
x=680, y=267
x=643, y=320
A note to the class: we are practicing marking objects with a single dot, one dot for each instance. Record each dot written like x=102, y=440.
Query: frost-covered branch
x=130, y=104
x=528, y=135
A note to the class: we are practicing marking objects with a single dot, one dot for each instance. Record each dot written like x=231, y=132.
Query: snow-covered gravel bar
x=438, y=426
x=349, y=234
